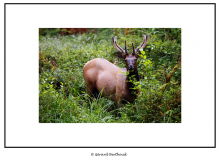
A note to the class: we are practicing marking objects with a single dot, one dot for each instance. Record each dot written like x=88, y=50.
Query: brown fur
x=101, y=74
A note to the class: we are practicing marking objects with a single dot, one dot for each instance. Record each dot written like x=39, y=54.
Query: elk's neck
x=133, y=74
x=129, y=79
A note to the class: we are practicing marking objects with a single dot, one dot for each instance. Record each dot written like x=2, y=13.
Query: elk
x=102, y=75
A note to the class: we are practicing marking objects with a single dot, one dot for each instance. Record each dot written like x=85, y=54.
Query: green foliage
x=62, y=91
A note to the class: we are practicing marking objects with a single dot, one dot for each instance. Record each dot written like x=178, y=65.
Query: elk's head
x=130, y=59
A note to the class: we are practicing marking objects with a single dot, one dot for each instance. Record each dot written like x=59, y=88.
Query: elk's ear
x=121, y=55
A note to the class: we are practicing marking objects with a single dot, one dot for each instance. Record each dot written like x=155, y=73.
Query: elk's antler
x=143, y=44
x=116, y=45
x=134, y=51
x=126, y=51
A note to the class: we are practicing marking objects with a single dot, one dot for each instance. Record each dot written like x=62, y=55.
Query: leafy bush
x=62, y=91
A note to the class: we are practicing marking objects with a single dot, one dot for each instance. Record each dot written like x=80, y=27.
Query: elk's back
x=101, y=73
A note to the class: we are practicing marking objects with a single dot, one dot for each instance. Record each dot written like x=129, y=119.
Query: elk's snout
x=131, y=68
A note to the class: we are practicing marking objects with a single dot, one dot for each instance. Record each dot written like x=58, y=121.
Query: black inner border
x=109, y=4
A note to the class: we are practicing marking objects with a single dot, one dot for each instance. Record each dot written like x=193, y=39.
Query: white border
x=197, y=23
